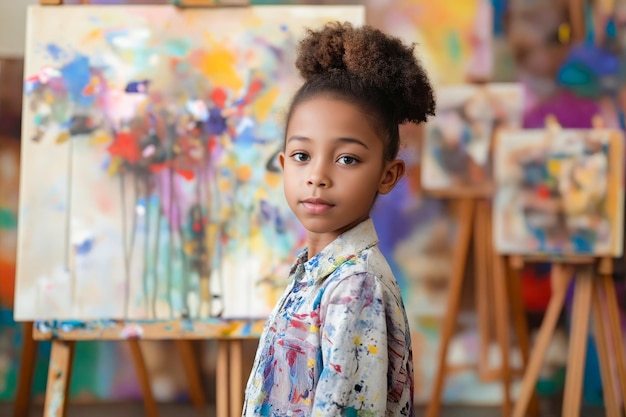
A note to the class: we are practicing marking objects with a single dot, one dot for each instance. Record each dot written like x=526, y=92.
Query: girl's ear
x=281, y=159
x=394, y=170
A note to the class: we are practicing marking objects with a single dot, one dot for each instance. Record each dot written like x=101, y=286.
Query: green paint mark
x=351, y=412
x=8, y=220
x=453, y=44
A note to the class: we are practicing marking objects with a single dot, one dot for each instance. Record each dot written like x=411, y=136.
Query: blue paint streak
x=85, y=247
x=77, y=75
x=137, y=86
x=55, y=51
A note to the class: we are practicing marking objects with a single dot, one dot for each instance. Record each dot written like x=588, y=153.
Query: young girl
x=338, y=342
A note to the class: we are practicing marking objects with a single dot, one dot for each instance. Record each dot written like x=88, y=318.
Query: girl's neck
x=316, y=242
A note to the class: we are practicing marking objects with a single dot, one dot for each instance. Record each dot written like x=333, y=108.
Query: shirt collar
x=345, y=247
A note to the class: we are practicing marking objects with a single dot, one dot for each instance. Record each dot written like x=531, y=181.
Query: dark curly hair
x=369, y=68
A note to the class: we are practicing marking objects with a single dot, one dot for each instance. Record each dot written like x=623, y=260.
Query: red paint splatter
x=125, y=146
x=219, y=97
x=543, y=191
x=291, y=356
x=212, y=144
x=298, y=324
x=255, y=87
x=337, y=368
x=158, y=167
x=186, y=174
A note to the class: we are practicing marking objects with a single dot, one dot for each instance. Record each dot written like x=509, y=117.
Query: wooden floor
x=548, y=409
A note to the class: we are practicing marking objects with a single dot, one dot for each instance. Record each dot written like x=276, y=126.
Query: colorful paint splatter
x=151, y=188
x=559, y=192
x=458, y=140
x=338, y=342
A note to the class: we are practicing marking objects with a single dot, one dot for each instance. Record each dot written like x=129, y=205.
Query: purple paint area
x=169, y=194
x=570, y=110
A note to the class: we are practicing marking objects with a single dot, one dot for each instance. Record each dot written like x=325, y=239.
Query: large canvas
x=559, y=192
x=457, y=147
x=150, y=187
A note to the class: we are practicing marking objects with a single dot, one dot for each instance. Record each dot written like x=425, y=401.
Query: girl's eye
x=300, y=157
x=348, y=160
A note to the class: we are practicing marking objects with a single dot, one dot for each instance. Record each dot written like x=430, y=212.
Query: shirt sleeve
x=353, y=380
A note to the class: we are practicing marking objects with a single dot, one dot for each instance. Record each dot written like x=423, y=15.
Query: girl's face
x=333, y=166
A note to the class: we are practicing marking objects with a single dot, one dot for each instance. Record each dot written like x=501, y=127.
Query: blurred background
x=537, y=43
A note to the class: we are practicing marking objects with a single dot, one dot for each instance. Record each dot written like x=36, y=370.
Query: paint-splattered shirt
x=338, y=342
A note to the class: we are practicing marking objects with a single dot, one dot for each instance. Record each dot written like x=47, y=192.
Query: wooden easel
x=229, y=382
x=474, y=219
x=59, y=374
x=594, y=287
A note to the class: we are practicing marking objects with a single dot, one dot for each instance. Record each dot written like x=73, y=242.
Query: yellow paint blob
x=373, y=349
x=63, y=137
x=114, y=165
x=205, y=289
x=564, y=33
x=554, y=167
x=219, y=66
x=223, y=185
x=272, y=179
x=93, y=36
x=99, y=138
x=264, y=104
x=244, y=173
x=311, y=363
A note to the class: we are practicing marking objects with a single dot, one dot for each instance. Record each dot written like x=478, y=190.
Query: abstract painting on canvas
x=457, y=147
x=150, y=187
x=559, y=192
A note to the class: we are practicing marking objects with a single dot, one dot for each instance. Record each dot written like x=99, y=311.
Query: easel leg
x=150, y=405
x=235, y=379
x=502, y=329
x=601, y=337
x=561, y=277
x=514, y=286
x=221, y=378
x=185, y=348
x=456, y=286
x=27, y=369
x=59, y=376
x=482, y=275
x=616, y=332
x=578, y=343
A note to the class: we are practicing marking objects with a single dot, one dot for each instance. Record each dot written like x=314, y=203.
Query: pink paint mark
x=337, y=368
x=298, y=324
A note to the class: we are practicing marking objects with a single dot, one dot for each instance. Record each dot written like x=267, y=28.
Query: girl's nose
x=317, y=181
x=318, y=177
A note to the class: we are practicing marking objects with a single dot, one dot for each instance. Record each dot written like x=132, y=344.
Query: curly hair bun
x=377, y=59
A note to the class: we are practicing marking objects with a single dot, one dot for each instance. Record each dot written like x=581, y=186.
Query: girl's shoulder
x=366, y=269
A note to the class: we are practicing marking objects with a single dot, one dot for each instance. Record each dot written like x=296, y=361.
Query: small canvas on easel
x=559, y=192
x=456, y=155
x=150, y=184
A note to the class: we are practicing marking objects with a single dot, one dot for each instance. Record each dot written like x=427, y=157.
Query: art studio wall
x=469, y=42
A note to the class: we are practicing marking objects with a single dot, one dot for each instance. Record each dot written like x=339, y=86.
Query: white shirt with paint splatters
x=338, y=341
